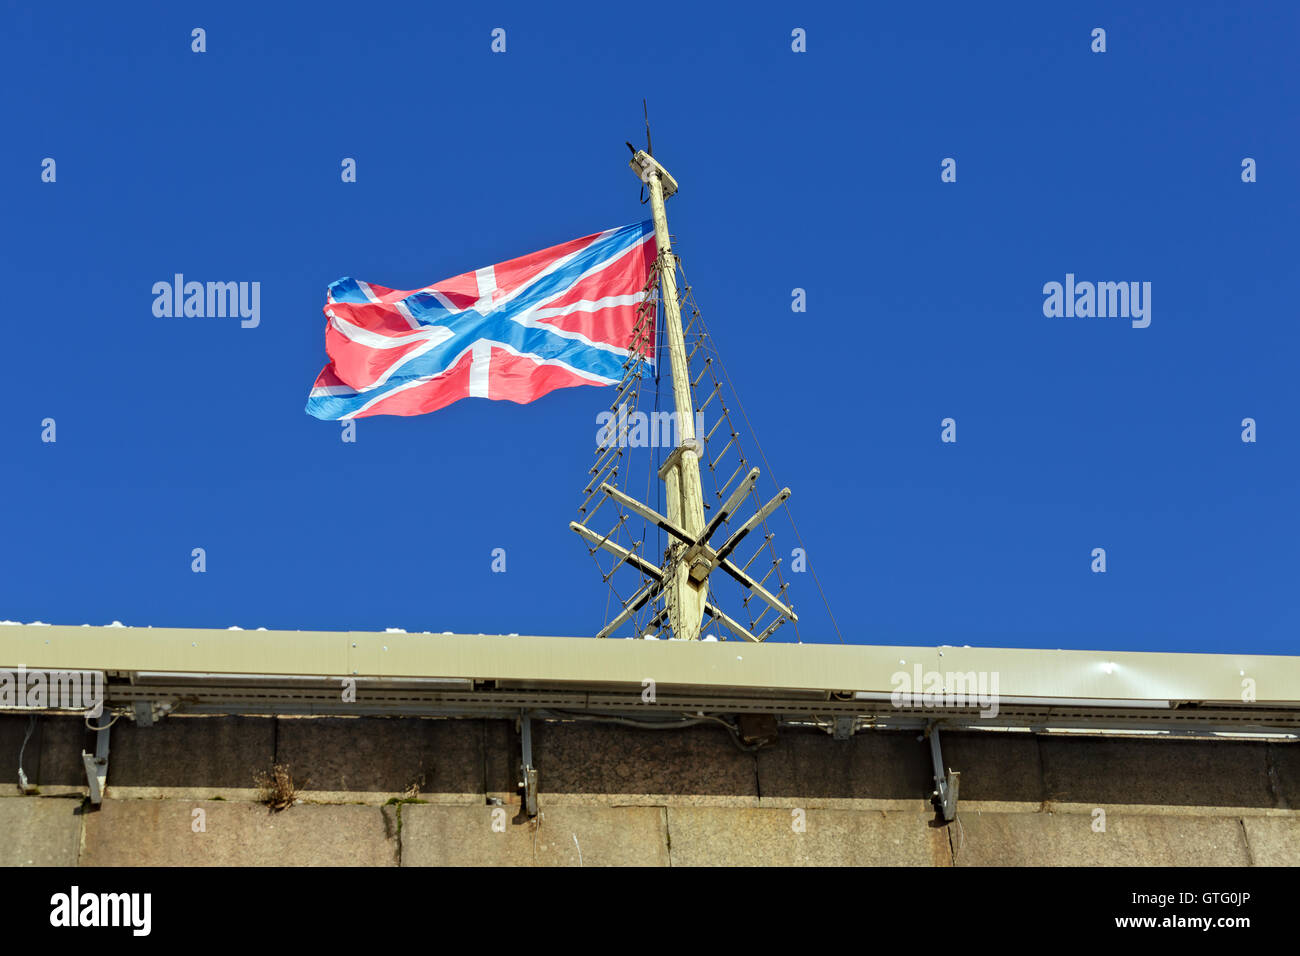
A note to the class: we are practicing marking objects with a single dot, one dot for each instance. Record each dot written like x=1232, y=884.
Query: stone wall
x=411, y=792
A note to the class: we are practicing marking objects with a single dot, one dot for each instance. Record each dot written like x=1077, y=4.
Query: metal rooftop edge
x=1234, y=679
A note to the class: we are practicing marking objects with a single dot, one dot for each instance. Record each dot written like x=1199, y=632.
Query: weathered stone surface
x=1068, y=839
x=501, y=756
x=999, y=771
x=602, y=836
x=62, y=740
x=612, y=764
x=375, y=758
x=12, y=731
x=39, y=831
x=161, y=833
x=1197, y=776
x=52, y=756
x=619, y=795
x=1273, y=841
x=433, y=835
x=1284, y=773
x=887, y=770
x=193, y=757
x=738, y=836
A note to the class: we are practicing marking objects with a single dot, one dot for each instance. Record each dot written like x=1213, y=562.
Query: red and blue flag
x=514, y=331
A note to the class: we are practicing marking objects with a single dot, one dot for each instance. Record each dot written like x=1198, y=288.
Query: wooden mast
x=680, y=473
x=683, y=579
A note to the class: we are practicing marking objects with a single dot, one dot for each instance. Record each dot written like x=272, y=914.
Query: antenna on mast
x=649, y=149
x=681, y=582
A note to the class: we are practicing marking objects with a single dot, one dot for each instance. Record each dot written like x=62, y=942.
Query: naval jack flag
x=561, y=317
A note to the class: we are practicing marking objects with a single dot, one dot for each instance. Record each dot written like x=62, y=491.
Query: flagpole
x=680, y=473
x=682, y=580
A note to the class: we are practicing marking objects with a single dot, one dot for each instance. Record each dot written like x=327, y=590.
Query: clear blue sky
x=818, y=170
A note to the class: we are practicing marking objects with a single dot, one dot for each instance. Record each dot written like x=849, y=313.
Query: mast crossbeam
x=699, y=557
x=681, y=581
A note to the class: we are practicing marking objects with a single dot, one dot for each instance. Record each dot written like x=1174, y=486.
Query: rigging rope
x=763, y=457
x=607, y=468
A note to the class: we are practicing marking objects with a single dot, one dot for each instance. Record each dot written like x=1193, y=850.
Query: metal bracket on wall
x=527, y=771
x=147, y=713
x=143, y=713
x=946, y=781
x=97, y=766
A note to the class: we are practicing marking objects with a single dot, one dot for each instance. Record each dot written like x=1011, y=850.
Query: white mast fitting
x=683, y=580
